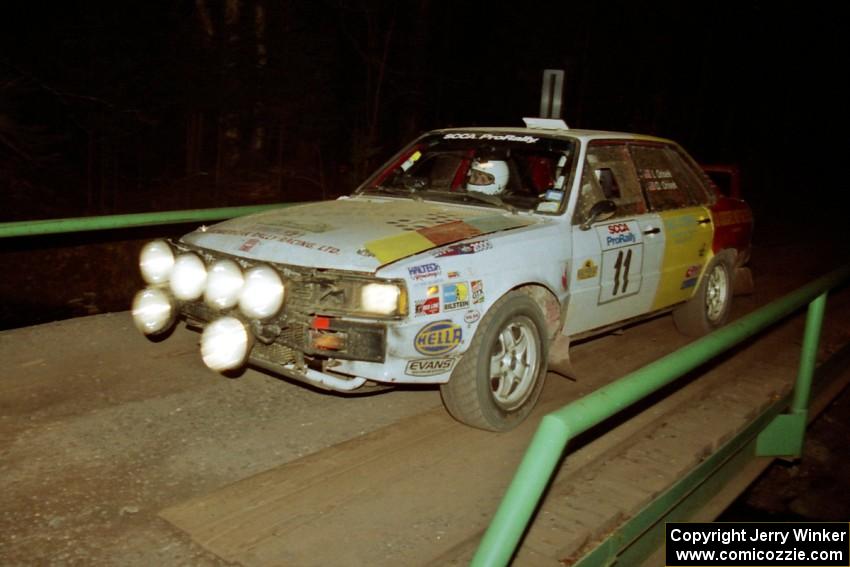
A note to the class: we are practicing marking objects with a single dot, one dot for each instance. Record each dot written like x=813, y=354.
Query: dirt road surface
x=109, y=442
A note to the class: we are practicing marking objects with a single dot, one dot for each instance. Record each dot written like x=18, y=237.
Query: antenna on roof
x=546, y=123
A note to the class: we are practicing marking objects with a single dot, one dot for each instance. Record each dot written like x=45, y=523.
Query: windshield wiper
x=492, y=200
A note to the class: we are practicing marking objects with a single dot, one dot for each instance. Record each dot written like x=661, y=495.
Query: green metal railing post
x=785, y=435
x=521, y=499
x=808, y=355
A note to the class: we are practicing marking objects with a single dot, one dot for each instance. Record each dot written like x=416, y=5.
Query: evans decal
x=455, y=296
x=466, y=248
x=438, y=338
x=424, y=271
x=429, y=366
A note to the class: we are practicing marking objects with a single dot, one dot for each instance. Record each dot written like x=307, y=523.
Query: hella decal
x=429, y=366
x=438, y=338
x=424, y=271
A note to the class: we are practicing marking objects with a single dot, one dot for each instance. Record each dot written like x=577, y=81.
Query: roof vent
x=545, y=123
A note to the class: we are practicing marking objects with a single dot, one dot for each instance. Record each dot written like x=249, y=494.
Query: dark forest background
x=111, y=107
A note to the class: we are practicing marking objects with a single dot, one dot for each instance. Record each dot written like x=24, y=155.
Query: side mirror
x=599, y=212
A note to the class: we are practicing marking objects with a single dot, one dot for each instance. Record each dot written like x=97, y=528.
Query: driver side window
x=608, y=173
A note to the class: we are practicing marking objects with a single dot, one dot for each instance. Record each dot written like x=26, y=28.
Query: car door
x=671, y=191
x=616, y=262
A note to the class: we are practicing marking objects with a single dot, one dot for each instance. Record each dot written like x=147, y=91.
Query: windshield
x=496, y=169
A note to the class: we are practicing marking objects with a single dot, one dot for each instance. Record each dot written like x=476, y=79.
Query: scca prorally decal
x=493, y=137
x=430, y=306
x=465, y=248
x=477, y=291
x=429, y=366
x=619, y=234
x=424, y=271
x=455, y=296
x=438, y=338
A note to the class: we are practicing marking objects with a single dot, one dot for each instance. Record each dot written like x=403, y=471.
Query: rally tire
x=709, y=308
x=499, y=378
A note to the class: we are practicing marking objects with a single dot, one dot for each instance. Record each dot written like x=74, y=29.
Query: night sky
x=128, y=106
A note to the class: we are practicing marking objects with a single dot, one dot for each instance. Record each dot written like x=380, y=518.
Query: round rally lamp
x=262, y=294
x=153, y=311
x=188, y=277
x=156, y=262
x=225, y=344
x=224, y=284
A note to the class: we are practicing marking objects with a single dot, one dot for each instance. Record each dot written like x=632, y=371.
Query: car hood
x=361, y=234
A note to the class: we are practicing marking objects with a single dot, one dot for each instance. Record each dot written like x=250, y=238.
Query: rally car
x=462, y=262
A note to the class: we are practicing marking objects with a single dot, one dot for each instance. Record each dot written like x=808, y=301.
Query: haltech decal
x=438, y=338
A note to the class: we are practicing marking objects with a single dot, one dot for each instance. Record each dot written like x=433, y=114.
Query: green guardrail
x=782, y=437
x=109, y=222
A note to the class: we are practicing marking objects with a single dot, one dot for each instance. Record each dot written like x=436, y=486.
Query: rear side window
x=661, y=178
x=609, y=174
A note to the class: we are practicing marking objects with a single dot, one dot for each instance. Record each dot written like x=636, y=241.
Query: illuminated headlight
x=378, y=298
x=156, y=262
x=225, y=344
x=153, y=311
x=262, y=294
x=224, y=284
x=188, y=277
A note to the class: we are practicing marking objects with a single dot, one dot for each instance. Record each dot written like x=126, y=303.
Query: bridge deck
x=118, y=450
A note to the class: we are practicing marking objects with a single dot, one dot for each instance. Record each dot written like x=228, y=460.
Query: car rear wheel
x=709, y=308
x=498, y=381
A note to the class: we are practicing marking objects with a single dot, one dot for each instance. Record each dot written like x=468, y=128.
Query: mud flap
x=744, y=284
x=559, y=358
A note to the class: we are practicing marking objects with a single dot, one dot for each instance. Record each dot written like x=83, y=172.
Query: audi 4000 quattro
x=464, y=261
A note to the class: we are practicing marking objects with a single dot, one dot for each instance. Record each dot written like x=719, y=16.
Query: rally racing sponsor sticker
x=424, y=271
x=429, y=366
x=438, y=338
x=455, y=296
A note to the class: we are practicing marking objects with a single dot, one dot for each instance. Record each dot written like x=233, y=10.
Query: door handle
x=652, y=230
x=704, y=221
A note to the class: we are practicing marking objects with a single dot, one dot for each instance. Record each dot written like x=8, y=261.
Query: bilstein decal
x=438, y=338
x=455, y=296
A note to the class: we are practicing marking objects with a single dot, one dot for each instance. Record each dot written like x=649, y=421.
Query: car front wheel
x=498, y=381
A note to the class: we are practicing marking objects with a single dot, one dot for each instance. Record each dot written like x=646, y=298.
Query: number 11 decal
x=621, y=273
x=621, y=267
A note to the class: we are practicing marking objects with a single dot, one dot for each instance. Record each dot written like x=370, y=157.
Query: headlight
x=153, y=311
x=156, y=262
x=262, y=294
x=224, y=284
x=378, y=298
x=188, y=277
x=225, y=344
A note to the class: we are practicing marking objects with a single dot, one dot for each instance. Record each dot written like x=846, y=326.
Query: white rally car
x=468, y=261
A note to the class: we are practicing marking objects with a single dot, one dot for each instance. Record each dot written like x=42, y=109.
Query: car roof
x=585, y=135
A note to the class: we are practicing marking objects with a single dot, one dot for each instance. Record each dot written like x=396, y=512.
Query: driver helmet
x=488, y=177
